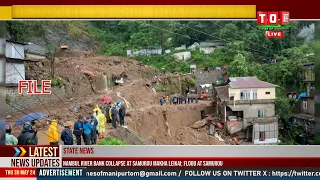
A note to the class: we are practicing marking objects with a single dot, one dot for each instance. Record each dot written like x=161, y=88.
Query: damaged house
x=304, y=115
x=247, y=109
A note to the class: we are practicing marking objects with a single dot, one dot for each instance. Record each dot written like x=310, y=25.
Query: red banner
x=29, y=151
x=192, y=162
x=298, y=10
x=18, y=172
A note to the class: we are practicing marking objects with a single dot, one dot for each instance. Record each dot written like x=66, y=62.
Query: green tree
x=238, y=67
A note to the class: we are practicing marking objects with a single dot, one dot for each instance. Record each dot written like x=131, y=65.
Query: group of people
x=178, y=100
x=87, y=129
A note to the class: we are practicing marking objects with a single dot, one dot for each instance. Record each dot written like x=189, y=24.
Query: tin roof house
x=304, y=115
x=247, y=106
x=35, y=52
x=15, y=68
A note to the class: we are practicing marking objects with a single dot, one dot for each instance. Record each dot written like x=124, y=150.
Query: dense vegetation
x=111, y=141
x=246, y=52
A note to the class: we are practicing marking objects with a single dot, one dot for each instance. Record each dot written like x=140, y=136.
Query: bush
x=114, y=49
x=111, y=141
x=8, y=99
x=57, y=81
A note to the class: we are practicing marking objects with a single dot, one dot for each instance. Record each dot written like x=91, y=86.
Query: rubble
x=142, y=115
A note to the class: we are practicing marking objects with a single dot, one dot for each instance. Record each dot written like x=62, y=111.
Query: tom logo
x=273, y=18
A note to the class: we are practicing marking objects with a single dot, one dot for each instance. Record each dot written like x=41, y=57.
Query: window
x=254, y=94
x=245, y=95
x=305, y=105
x=262, y=136
x=261, y=113
x=267, y=93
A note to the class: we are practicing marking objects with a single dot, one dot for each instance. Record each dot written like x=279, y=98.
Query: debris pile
x=214, y=126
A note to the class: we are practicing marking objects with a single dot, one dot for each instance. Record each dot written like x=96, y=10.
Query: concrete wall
x=35, y=56
x=20, y=102
x=15, y=71
x=270, y=131
x=251, y=111
x=310, y=106
x=207, y=78
x=262, y=93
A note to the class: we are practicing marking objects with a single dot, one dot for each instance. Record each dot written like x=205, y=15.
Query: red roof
x=249, y=82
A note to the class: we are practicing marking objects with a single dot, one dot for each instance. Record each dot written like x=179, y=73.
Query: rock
x=199, y=124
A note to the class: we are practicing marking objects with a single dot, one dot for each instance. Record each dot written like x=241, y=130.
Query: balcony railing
x=309, y=76
x=254, y=101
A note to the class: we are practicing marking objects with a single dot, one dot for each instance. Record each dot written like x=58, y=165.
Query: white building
x=15, y=68
x=143, y=52
x=182, y=56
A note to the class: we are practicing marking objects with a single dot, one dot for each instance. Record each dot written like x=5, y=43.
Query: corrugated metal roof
x=249, y=82
x=15, y=42
x=223, y=92
x=35, y=49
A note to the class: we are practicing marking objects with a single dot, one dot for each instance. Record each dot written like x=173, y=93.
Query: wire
x=38, y=75
x=29, y=116
x=221, y=39
x=32, y=118
x=23, y=78
x=240, y=36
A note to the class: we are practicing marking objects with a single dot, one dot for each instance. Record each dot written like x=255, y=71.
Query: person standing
x=27, y=135
x=171, y=100
x=53, y=135
x=115, y=116
x=107, y=113
x=78, y=129
x=122, y=114
x=96, y=108
x=35, y=131
x=175, y=99
x=102, y=124
x=161, y=100
x=10, y=139
x=87, y=130
x=167, y=100
x=94, y=123
x=66, y=134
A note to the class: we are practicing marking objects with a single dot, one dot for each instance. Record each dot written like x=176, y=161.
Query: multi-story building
x=304, y=117
x=247, y=109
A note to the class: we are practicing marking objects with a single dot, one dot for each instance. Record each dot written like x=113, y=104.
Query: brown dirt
x=146, y=120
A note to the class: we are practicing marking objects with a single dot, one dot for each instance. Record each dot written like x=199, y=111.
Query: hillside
x=246, y=53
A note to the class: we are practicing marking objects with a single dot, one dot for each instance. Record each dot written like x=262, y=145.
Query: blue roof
x=302, y=95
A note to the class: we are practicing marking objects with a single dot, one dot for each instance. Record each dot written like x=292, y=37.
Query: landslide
x=147, y=121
